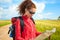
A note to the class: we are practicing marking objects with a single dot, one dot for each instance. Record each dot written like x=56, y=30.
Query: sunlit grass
x=43, y=25
x=4, y=22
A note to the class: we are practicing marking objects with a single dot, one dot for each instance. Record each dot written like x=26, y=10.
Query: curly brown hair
x=27, y=4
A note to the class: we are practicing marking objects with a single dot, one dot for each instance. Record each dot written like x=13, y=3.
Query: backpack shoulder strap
x=33, y=20
x=21, y=23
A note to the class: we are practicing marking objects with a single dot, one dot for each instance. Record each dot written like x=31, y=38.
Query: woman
x=27, y=9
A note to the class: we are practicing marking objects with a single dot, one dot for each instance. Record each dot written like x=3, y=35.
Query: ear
x=25, y=10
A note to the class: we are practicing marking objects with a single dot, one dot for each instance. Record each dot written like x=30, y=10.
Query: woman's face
x=30, y=12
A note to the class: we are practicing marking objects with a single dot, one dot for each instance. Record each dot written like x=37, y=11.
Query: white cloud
x=1, y=11
x=12, y=11
x=50, y=1
x=49, y=13
x=0, y=16
x=38, y=16
x=8, y=13
x=5, y=1
x=47, y=1
x=43, y=16
x=40, y=6
x=13, y=8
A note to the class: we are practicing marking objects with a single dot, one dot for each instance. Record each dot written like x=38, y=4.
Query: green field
x=4, y=22
x=43, y=25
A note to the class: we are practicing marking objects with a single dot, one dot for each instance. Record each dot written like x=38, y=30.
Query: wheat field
x=4, y=22
x=42, y=26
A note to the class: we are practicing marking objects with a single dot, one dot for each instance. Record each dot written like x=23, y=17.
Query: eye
x=31, y=12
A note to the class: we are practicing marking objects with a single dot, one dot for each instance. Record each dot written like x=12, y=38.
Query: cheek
x=29, y=15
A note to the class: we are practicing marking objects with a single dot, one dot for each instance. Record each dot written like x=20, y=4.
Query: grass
x=4, y=22
x=43, y=25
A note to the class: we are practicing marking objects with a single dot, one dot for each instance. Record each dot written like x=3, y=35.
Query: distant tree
x=59, y=18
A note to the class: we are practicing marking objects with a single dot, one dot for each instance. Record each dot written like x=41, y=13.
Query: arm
x=38, y=33
x=16, y=22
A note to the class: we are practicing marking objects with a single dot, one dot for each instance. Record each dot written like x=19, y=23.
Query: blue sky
x=46, y=9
